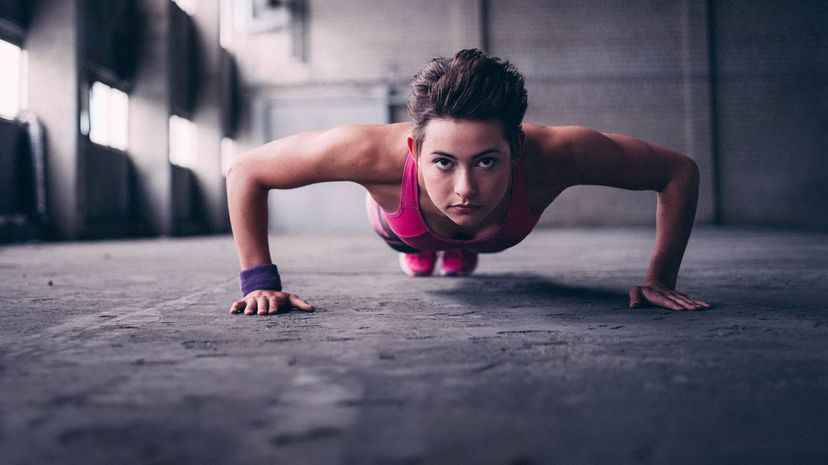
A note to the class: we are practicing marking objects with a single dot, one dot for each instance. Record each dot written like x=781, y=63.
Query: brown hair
x=470, y=86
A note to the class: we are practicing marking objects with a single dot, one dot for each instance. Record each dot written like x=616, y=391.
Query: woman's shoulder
x=546, y=148
x=387, y=153
x=370, y=153
x=383, y=161
x=551, y=142
x=546, y=156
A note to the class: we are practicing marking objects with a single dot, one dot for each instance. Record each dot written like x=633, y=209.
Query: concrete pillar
x=207, y=172
x=149, y=127
x=53, y=55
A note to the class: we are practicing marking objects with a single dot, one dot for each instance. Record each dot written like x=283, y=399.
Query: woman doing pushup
x=465, y=176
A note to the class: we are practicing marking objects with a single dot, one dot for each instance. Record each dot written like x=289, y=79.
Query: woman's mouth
x=465, y=208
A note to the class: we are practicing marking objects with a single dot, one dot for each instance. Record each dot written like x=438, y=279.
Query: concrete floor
x=124, y=353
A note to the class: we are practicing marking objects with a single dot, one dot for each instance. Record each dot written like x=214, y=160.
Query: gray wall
x=332, y=205
x=772, y=112
x=738, y=86
x=632, y=70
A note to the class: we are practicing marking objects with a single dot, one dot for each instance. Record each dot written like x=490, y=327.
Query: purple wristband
x=260, y=277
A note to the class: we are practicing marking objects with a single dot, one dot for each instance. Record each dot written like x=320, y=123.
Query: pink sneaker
x=458, y=262
x=418, y=264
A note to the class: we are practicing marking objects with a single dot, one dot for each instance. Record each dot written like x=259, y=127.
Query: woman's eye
x=487, y=162
x=442, y=163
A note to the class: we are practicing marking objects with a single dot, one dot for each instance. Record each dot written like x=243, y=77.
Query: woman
x=474, y=179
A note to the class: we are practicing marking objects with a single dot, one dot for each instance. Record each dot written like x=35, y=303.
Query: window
x=262, y=15
x=11, y=84
x=189, y=6
x=108, y=116
x=226, y=25
x=182, y=142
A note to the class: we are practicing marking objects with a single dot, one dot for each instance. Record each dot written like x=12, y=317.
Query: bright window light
x=10, y=61
x=228, y=154
x=182, y=142
x=189, y=6
x=226, y=24
x=108, y=116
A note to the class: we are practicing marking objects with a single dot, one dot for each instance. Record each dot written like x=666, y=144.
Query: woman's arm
x=590, y=157
x=340, y=154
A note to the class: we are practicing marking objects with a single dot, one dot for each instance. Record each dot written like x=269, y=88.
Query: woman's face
x=465, y=168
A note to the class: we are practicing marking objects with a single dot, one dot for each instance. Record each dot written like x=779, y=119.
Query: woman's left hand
x=663, y=296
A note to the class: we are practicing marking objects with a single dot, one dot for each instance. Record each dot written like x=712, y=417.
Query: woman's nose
x=465, y=185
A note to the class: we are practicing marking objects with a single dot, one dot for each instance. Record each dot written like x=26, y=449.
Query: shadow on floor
x=529, y=290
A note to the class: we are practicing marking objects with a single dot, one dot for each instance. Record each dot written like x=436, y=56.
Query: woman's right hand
x=266, y=302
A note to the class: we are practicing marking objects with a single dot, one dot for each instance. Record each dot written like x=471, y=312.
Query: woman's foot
x=458, y=262
x=418, y=264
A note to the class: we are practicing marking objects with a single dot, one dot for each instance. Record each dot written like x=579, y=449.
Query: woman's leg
x=458, y=262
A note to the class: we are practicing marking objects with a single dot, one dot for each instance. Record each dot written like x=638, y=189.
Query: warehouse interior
x=119, y=121
x=154, y=102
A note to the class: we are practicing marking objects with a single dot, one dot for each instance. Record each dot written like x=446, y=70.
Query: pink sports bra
x=408, y=223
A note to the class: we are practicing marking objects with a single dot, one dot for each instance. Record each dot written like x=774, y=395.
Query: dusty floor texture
x=123, y=352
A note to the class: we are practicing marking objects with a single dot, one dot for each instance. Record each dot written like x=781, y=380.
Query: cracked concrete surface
x=124, y=352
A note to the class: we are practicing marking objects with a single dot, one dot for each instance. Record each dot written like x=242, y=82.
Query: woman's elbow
x=239, y=173
x=691, y=171
x=686, y=171
x=683, y=176
x=237, y=165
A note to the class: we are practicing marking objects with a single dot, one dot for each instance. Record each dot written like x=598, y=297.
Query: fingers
x=698, y=304
x=300, y=303
x=635, y=297
x=237, y=307
x=687, y=302
x=681, y=300
x=263, y=304
x=671, y=299
x=254, y=304
x=269, y=303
